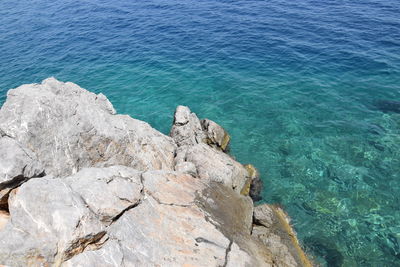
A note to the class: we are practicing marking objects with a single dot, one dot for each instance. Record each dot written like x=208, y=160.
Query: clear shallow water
x=294, y=82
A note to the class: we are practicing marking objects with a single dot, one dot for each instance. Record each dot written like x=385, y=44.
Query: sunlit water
x=294, y=83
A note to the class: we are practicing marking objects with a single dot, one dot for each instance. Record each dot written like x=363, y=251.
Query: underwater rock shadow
x=387, y=106
x=325, y=249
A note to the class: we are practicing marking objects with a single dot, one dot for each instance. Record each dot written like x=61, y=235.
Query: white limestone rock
x=264, y=215
x=4, y=217
x=109, y=255
x=108, y=191
x=17, y=165
x=215, y=165
x=48, y=221
x=168, y=228
x=168, y=235
x=186, y=167
x=202, y=144
x=237, y=257
x=186, y=128
x=216, y=135
x=70, y=128
x=57, y=218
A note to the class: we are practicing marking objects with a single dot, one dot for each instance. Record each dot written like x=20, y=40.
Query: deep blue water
x=294, y=82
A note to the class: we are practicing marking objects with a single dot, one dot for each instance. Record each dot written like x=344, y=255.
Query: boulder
x=216, y=135
x=264, y=215
x=186, y=129
x=70, y=128
x=170, y=188
x=175, y=226
x=201, y=151
x=215, y=165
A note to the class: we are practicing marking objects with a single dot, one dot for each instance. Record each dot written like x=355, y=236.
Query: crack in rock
x=228, y=250
x=203, y=240
x=116, y=217
x=79, y=245
x=169, y=204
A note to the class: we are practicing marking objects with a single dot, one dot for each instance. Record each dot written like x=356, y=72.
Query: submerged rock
x=388, y=105
x=110, y=190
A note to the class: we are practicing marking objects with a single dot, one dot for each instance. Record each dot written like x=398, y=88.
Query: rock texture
x=70, y=128
x=216, y=135
x=17, y=165
x=202, y=144
x=272, y=227
x=82, y=186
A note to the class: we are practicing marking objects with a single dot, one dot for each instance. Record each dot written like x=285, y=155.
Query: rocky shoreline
x=83, y=186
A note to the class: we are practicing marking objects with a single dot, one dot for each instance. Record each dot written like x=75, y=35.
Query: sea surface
x=297, y=84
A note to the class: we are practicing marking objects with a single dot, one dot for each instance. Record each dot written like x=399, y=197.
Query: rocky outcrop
x=83, y=186
x=186, y=129
x=70, y=128
x=189, y=130
x=201, y=145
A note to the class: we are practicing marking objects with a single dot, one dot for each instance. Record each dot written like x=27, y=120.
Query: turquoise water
x=294, y=82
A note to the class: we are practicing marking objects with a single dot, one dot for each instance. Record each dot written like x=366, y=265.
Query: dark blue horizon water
x=294, y=82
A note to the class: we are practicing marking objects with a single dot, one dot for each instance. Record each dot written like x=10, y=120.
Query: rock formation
x=83, y=186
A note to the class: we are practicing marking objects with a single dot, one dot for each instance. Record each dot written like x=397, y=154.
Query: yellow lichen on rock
x=252, y=174
x=285, y=222
x=246, y=188
x=225, y=141
x=272, y=226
